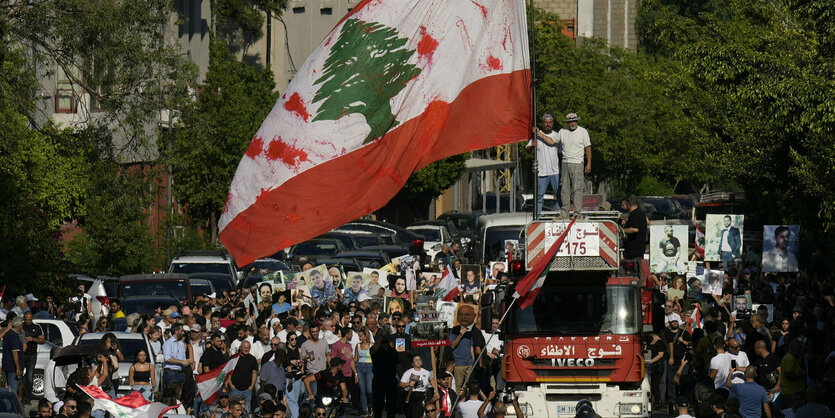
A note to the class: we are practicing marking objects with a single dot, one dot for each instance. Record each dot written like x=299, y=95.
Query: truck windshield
x=495, y=239
x=580, y=310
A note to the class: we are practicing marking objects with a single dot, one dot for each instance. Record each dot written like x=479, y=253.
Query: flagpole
x=481, y=354
x=533, y=115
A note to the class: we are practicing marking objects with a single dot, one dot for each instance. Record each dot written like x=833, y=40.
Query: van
x=495, y=230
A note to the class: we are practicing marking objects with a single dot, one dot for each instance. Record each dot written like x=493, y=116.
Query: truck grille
x=580, y=263
x=573, y=372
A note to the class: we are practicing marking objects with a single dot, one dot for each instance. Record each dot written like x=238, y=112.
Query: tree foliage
x=764, y=73
x=214, y=131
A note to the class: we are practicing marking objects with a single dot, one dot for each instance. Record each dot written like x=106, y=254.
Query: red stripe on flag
x=529, y=286
x=366, y=179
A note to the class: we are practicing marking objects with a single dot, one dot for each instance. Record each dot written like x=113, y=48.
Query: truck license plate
x=566, y=409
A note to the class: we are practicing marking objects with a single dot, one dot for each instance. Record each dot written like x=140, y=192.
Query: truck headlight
x=630, y=409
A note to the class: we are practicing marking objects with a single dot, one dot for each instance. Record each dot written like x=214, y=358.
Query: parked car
x=467, y=224
x=367, y=239
x=57, y=331
x=391, y=250
x=200, y=286
x=188, y=262
x=347, y=239
x=316, y=248
x=10, y=405
x=348, y=264
x=146, y=305
x=390, y=233
x=453, y=232
x=129, y=344
x=665, y=208
x=268, y=264
x=44, y=351
x=157, y=285
x=370, y=259
x=435, y=237
x=220, y=281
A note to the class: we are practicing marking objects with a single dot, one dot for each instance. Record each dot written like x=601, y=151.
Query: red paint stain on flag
x=483, y=9
x=296, y=105
x=256, y=147
x=494, y=63
x=289, y=154
x=426, y=46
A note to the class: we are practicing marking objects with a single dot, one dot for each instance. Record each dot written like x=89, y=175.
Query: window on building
x=67, y=93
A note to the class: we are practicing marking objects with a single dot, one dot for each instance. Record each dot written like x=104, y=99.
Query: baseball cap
x=31, y=298
x=363, y=297
x=673, y=317
x=444, y=374
x=196, y=328
x=174, y=315
x=265, y=397
x=683, y=402
x=336, y=361
x=571, y=117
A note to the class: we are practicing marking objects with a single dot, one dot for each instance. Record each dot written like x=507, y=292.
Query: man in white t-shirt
x=548, y=159
x=720, y=365
x=575, y=145
x=470, y=407
x=414, y=383
x=741, y=359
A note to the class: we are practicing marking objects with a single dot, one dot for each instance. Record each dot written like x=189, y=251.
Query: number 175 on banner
x=582, y=240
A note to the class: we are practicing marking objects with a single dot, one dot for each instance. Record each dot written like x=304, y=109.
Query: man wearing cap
x=329, y=382
x=445, y=397
x=683, y=406
x=548, y=160
x=220, y=407
x=678, y=341
x=575, y=144
x=174, y=352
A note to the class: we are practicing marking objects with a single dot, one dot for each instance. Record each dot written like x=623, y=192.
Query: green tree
x=214, y=131
x=365, y=82
x=429, y=182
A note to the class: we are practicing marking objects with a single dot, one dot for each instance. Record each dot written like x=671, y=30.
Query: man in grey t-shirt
x=315, y=352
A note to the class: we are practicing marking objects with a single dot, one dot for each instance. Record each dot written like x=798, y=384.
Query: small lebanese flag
x=209, y=384
x=700, y=239
x=449, y=284
x=130, y=405
x=529, y=286
x=695, y=320
x=396, y=85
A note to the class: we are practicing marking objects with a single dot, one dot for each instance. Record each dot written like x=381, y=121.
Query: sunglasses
x=273, y=345
x=321, y=414
x=430, y=411
x=291, y=339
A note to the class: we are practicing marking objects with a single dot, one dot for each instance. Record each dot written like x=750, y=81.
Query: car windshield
x=189, y=268
x=8, y=403
x=367, y=240
x=174, y=288
x=345, y=239
x=463, y=223
x=269, y=265
x=494, y=241
x=198, y=288
x=145, y=306
x=220, y=283
x=316, y=248
x=585, y=309
x=431, y=234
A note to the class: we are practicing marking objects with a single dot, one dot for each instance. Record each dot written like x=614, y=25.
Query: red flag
x=529, y=286
x=396, y=85
x=449, y=285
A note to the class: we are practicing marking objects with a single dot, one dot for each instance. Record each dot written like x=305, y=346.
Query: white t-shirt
x=574, y=144
x=741, y=361
x=424, y=376
x=722, y=363
x=469, y=409
x=236, y=345
x=548, y=156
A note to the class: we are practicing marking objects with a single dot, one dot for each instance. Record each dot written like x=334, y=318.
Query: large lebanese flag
x=449, y=285
x=131, y=405
x=396, y=85
x=209, y=384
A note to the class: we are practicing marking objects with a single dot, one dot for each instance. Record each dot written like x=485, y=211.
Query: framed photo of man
x=668, y=248
x=446, y=312
x=780, y=248
x=723, y=237
x=713, y=282
x=466, y=314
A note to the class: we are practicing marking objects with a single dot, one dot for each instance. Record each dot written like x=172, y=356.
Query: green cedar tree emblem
x=365, y=69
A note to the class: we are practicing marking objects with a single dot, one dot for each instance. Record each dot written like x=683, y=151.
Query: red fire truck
x=581, y=338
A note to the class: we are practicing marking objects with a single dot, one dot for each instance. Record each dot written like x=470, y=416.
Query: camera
x=744, y=314
x=507, y=396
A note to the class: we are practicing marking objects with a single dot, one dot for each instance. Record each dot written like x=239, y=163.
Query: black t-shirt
x=679, y=349
x=327, y=384
x=659, y=347
x=31, y=330
x=213, y=358
x=669, y=247
x=403, y=346
x=242, y=376
x=634, y=245
x=767, y=373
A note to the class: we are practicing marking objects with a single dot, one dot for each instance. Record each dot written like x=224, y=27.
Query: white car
x=58, y=331
x=218, y=262
x=435, y=237
x=129, y=344
x=44, y=352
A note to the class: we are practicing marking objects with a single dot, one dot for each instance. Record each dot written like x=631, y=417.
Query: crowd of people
x=346, y=354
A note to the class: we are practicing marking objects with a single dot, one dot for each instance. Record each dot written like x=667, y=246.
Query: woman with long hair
x=103, y=325
x=83, y=324
x=363, y=374
x=141, y=376
x=155, y=339
x=111, y=364
x=676, y=292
